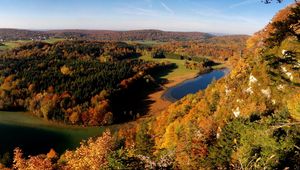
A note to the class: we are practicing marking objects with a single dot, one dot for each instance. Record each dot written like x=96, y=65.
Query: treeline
x=145, y=35
x=19, y=34
x=69, y=81
x=163, y=54
x=217, y=47
x=85, y=50
x=191, y=62
x=102, y=35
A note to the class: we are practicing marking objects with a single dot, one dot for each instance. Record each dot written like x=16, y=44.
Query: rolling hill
x=103, y=35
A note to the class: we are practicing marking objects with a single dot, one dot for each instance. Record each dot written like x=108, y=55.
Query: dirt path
x=159, y=104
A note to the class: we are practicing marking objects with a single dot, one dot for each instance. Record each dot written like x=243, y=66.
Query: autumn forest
x=104, y=99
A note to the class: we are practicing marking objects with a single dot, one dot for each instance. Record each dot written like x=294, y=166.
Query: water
x=193, y=85
x=35, y=135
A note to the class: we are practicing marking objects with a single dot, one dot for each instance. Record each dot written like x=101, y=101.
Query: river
x=193, y=85
x=35, y=135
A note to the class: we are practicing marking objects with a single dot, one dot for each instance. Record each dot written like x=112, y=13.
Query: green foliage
x=158, y=54
x=220, y=152
x=88, y=78
x=215, y=101
x=144, y=141
x=254, y=145
x=5, y=159
x=66, y=81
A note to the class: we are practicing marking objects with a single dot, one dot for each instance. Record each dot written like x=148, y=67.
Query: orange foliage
x=90, y=155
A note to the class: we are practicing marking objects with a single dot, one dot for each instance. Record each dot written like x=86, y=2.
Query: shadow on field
x=135, y=102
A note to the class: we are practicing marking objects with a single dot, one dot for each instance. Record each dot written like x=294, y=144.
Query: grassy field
x=13, y=44
x=150, y=43
x=177, y=72
x=53, y=40
x=36, y=135
x=3, y=47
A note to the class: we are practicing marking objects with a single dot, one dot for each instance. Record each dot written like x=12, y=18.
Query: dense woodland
x=248, y=120
x=76, y=82
x=81, y=82
x=220, y=48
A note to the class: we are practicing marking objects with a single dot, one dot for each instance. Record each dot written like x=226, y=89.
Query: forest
x=220, y=48
x=87, y=82
x=73, y=82
x=247, y=120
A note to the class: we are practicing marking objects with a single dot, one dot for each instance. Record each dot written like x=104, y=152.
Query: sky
x=213, y=16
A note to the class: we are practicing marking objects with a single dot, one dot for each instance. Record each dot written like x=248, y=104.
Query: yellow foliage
x=170, y=137
x=294, y=106
x=74, y=118
x=91, y=155
x=65, y=70
x=33, y=163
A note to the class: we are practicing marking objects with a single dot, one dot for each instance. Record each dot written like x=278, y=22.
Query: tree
x=158, y=54
x=90, y=155
x=270, y=1
x=285, y=28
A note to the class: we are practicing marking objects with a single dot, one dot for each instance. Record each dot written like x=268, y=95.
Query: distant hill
x=106, y=35
x=18, y=34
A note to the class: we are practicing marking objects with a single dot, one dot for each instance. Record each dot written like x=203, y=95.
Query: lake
x=193, y=85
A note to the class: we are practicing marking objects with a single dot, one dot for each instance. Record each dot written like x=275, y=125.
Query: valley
x=43, y=135
x=85, y=98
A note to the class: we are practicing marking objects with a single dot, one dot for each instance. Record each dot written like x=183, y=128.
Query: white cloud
x=245, y=2
x=167, y=8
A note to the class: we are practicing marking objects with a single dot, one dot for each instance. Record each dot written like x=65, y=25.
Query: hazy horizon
x=225, y=17
x=148, y=29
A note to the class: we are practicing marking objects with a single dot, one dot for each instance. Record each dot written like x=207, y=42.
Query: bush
x=158, y=54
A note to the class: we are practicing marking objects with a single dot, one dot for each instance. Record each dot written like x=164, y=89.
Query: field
x=13, y=44
x=145, y=42
x=28, y=132
x=180, y=71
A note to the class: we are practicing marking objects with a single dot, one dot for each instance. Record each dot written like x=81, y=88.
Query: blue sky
x=218, y=16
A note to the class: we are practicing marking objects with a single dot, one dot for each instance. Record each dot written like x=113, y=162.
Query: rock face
x=249, y=90
x=252, y=80
x=288, y=74
x=266, y=92
x=236, y=112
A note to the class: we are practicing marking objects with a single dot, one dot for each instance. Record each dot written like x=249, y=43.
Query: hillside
x=248, y=120
x=102, y=35
x=19, y=34
x=220, y=48
x=75, y=82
